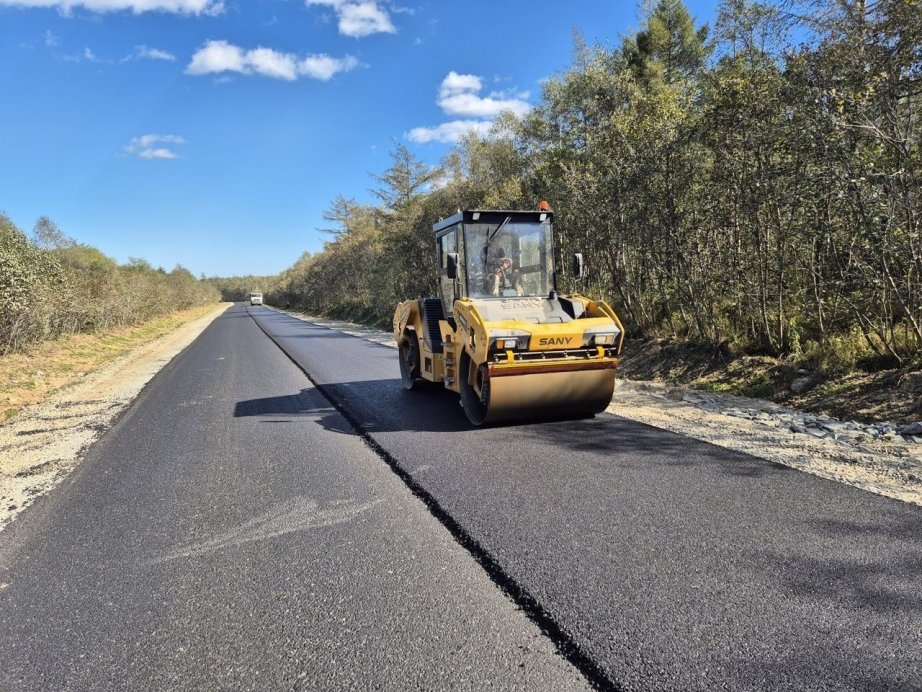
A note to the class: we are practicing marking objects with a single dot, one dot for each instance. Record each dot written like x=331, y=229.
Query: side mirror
x=452, y=267
x=579, y=266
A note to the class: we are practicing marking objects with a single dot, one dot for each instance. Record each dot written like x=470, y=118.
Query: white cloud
x=217, y=56
x=359, y=18
x=448, y=133
x=221, y=56
x=147, y=140
x=270, y=63
x=145, y=146
x=86, y=56
x=455, y=83
x=50, y=39
x=161, y=153
x=197, y=7
x=363, y=19
x=459, y=96
x=474, y=106
x=323, y=67
x=146, y=53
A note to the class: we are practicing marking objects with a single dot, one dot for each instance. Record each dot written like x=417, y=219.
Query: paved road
x=234, y=531
x=666, y=563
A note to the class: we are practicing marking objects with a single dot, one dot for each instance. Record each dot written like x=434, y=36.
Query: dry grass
x=29, y=376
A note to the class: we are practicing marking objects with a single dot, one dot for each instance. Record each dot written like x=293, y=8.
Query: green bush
x=46, y=292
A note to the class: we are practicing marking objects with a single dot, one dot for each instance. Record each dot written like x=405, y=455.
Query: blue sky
x=214, y=134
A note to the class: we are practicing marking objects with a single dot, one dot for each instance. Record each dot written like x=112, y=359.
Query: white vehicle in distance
x=256, y=299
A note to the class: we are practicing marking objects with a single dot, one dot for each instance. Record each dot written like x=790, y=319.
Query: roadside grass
x=29, y=376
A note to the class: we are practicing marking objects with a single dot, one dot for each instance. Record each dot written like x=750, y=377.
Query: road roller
x=499, y=334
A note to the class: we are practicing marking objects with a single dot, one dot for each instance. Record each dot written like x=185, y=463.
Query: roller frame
x=520, y=389
x=555, y=369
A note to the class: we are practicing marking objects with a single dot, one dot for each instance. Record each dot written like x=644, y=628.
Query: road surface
x=275, y=512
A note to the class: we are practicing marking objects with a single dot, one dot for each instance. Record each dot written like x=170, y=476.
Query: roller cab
x=499, y=334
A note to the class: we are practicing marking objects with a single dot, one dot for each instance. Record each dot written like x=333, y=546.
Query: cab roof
x=491, y=216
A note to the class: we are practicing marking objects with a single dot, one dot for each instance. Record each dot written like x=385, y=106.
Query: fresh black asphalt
x=666, y=562
x=233, y=531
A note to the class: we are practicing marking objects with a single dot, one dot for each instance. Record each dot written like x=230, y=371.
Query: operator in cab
x=506, y=278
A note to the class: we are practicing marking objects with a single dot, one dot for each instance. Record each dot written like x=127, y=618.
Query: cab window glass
x=447, y=243
x=527, y=268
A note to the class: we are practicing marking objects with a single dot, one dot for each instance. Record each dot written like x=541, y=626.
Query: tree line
x=755, y=185
x=237, y=288
x=52, y=286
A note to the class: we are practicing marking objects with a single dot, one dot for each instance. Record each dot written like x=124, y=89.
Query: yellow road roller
x=499, y=334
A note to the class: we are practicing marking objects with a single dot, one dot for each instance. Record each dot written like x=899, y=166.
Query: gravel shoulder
x=44, y=442
x=842, y=451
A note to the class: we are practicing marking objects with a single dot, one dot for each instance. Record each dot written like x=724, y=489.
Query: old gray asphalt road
x=668, y=563
x=232, y=532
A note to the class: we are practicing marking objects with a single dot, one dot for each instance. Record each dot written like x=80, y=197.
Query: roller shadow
x=379, y=406
x=429, y=410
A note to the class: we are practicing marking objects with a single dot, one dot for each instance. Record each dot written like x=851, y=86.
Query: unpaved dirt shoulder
x=42, y=444
x=886, y=467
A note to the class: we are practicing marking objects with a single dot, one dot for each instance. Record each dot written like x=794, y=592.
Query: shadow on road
x=385, y=406
x=882, y=592
x=869, y=580
x=637, y=443
x=429, y=410
x=382, y=406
